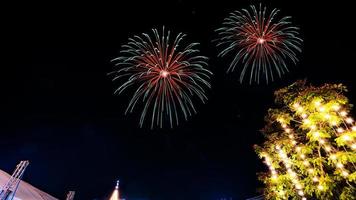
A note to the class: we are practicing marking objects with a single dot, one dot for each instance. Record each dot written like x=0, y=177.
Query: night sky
x=58, y=110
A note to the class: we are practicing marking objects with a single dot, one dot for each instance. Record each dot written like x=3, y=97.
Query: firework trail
x=262, y=44
x=164, y=74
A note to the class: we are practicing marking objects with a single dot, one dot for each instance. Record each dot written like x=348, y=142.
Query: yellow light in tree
x=346, y=138
x=322, y=141
x=327, y=116
x=334, y=123
x=304, y=115
x=354, y=128
x=333, y=157
x=306, y=121
x=306, y=163
x=339, y=165
x=315, y=179
x=317, y=103
x=336, y=107
x=301, y=193
x=298, y=149
x=316, y=134
x=284, y=125
x=343, y=113
x=340, y=130
x=300, y=109
x=293, y=174
x=302, y=156
x=304, y=198
x=349, y=120
x=353, y=146
x=298, y=186
x=320, y=187
x=327, y=148
x=312, y=127
x=310, y=170
x=322, y=109
x=345, y=173
x=294, y=142
x=296, y=105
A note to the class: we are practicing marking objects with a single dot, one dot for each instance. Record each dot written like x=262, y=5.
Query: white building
x=25, y=191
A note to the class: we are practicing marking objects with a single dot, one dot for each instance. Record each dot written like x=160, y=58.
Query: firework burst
x=261, y=44
x=164, y=75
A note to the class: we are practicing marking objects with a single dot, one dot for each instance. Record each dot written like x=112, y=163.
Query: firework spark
x=262, y=44
x=165, y=76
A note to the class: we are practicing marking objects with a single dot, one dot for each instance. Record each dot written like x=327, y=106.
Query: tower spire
x=116, y=194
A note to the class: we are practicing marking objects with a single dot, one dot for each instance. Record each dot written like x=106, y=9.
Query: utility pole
x=70, y=195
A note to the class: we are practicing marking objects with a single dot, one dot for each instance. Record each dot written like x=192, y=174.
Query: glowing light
x=294, y=142
x=304, y=198
x=334, y=123
x=346, y=137
x=284, y=125
x=339, y=165
x=300, y=109
x=306, y=121
x=298, y=186
x=322, y=141
x=261, y=40
x=312, y=127
x=336, y=107
x=327, y=116
x=317, y=103
x=343, y=113
x=316, y=134
x=315, y=179
x=301, y=193
x=327, y=148
x=278, y=147
x=340, y=130
x=164, y=73
x=298, y=149
x=304, y=115
x=306, y=163
x=345, y=173
x=353, y=128
x=320, y=187
x=302, y=156
x=333, y=157
x=322, y=109
x=296, y=105
x=310, y=170
x=349, y=120
x=274, y=177
x=287, y=130
x=353, y=146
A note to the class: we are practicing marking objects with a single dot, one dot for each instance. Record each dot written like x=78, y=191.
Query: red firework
x=262, y=43
x=166, y=78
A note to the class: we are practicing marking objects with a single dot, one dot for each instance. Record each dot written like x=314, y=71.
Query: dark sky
x=58, y=110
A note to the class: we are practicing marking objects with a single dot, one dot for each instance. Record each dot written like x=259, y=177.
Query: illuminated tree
x=310, y=146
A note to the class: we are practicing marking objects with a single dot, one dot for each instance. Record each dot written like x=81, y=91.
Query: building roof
x=25, y=191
